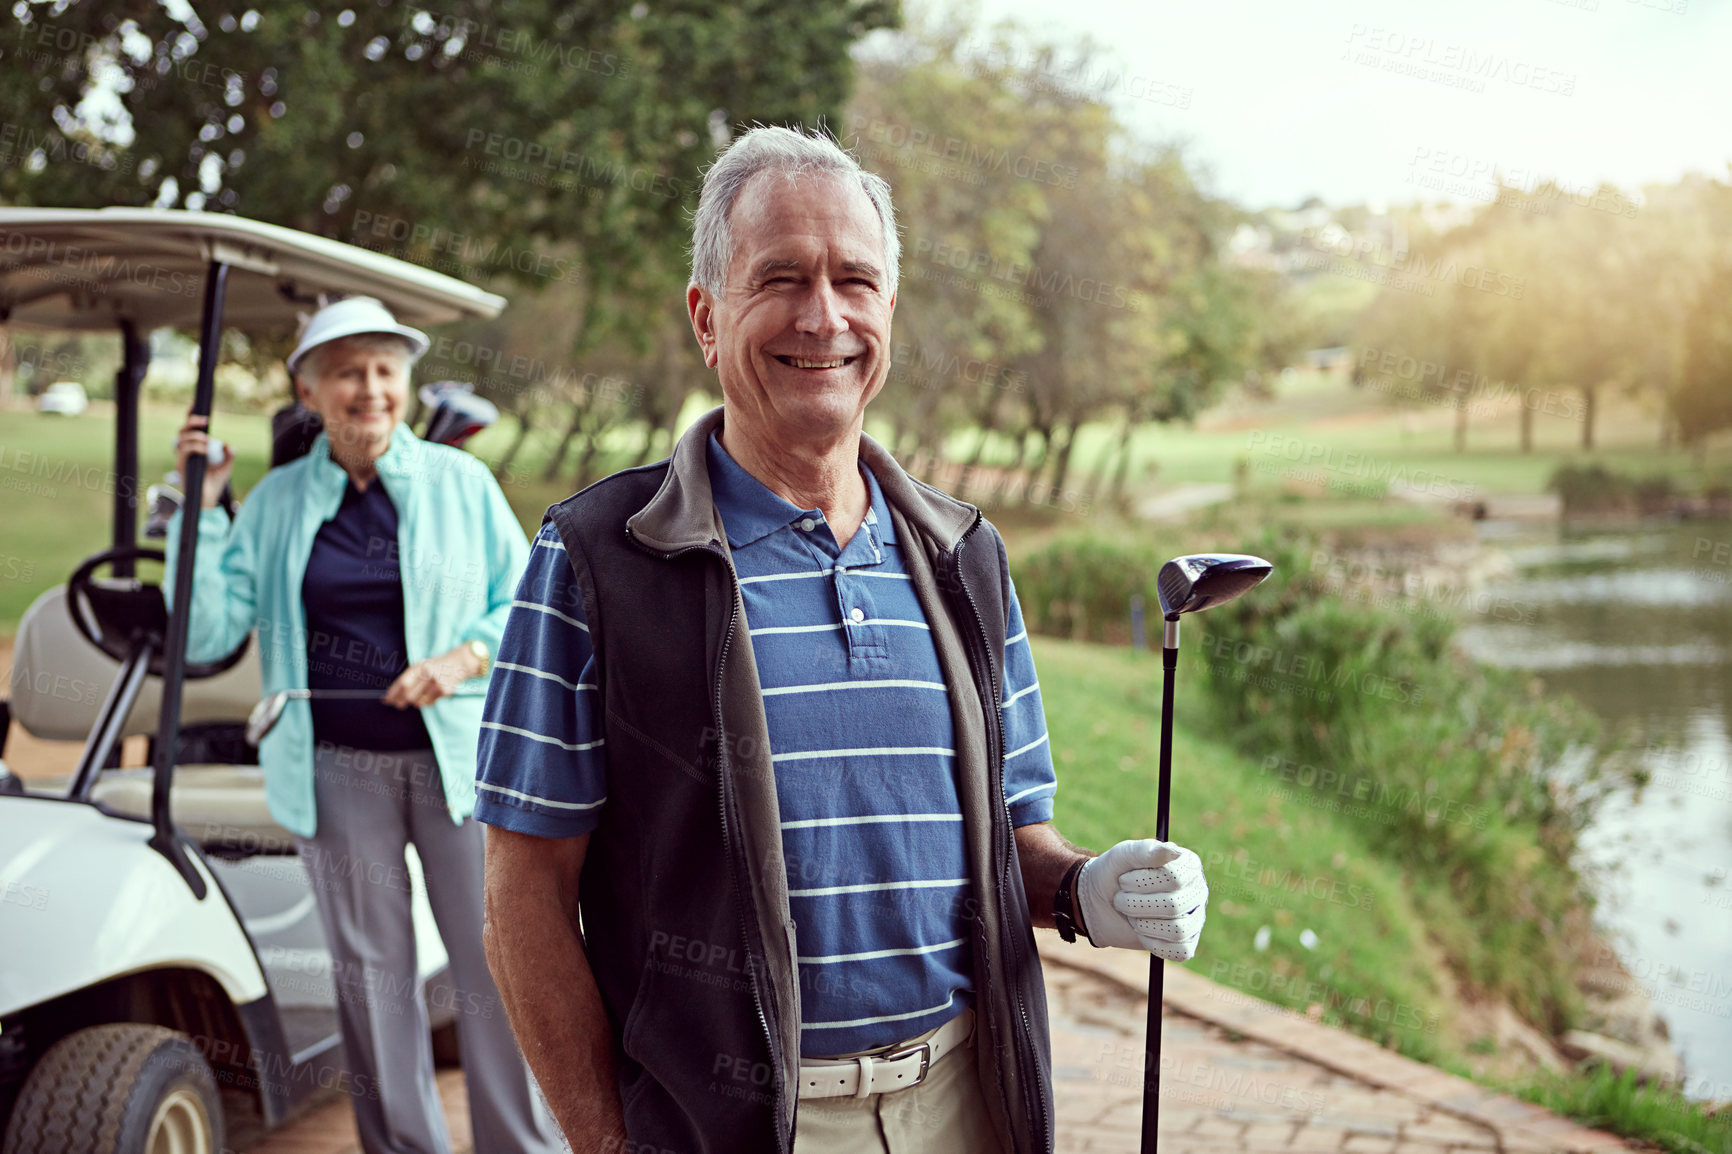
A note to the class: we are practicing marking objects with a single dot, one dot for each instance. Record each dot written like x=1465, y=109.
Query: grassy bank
x=1307, y=909
x=1464, y=777
x=1301, y=912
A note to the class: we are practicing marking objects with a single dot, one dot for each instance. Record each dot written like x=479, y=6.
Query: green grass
x=1313, y=415
x=57, y=487
x=1609, y=1101
x=1290, y=869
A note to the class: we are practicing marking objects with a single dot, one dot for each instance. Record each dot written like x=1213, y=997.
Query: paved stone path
x=1236, y=1074
x=1240, y=1074
x=329, y=1128
x=1184, y=498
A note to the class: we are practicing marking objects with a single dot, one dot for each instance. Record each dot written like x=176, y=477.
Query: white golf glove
x=1144, y=895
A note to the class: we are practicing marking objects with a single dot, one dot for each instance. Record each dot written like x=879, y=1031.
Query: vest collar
x=682, y=514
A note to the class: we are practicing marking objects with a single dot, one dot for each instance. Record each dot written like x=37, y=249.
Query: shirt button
x=808, y=524
x=856, y=615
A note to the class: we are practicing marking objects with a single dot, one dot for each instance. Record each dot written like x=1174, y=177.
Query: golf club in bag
x=1187, y=584
x=455, y=413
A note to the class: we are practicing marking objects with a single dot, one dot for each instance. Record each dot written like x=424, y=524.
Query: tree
x=1055, y=269
x=521, y=144
x=1703, y=400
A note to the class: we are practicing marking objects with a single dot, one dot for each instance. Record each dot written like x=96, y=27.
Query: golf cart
x=163, y=971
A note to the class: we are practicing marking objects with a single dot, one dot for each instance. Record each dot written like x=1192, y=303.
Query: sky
x=1387, y=100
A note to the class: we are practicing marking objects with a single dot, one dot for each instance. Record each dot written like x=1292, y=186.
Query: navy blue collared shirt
x=353, y=595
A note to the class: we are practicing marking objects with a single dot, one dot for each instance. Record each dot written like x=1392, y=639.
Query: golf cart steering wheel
x=114, y=618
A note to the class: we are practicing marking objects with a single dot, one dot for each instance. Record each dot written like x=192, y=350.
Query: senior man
x=765, y=718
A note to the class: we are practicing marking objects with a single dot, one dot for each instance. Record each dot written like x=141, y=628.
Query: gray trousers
x=370, y=806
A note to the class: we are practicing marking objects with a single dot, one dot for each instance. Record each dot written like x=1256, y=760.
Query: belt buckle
x=925, y=1049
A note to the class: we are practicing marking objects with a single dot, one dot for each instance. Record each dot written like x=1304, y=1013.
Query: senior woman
x=383, y=563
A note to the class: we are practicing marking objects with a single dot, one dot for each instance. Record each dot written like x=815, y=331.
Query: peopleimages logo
x=1390, y=366
x=92, y=270
x=565, y=163
x=1053, y=282
x=965, y=153
x=1362, y=465
x=1456, y=65
x=1414, y=264
x=1328, y=781
x=480, y=41
x=40, y=474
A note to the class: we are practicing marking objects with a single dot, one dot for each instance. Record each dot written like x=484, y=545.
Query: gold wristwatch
x=479, y=648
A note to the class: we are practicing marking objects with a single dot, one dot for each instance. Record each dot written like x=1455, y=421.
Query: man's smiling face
x=800, y=334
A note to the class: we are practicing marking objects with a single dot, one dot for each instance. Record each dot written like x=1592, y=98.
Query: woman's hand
x=427, y=681
x=193, y=439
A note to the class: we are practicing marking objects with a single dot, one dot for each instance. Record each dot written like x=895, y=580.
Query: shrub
x=1595, y=489
x=1467, y=776
x=1589, y=489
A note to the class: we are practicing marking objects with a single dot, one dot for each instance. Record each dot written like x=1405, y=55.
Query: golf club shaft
x=1157, y=969
x=364, y=694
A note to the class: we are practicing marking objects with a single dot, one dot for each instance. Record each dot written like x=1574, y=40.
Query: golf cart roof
x=64, y=268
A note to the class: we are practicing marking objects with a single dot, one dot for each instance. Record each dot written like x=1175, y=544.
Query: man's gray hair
x=794, y=154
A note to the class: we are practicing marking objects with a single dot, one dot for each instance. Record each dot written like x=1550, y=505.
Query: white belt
x=896, y=1068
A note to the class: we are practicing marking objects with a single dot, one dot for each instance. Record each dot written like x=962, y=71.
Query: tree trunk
x=1460, y=425
x=1527, y=426
x=1589, y=396
x=591, y=442
x=650, y=429
x=1111, y=457
x=979, y=446
x=1031, y=470
x=1061, y=464
x=557, y=462
x=502, y=470
x=1122, y=468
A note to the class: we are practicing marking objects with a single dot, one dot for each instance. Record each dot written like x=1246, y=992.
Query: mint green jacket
x=462, y=552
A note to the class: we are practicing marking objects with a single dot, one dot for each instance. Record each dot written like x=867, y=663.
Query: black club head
x=1201, y=581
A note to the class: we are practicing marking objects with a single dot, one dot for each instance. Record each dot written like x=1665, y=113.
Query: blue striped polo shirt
x=861, y=740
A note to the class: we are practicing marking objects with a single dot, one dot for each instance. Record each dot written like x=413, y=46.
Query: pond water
x=1637, y=625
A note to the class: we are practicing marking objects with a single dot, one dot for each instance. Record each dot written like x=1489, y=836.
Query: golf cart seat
x=221, y=807
x=59, y=682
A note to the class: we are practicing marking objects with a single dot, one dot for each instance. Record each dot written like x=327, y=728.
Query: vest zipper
x=782, y=1139
x=995, y=731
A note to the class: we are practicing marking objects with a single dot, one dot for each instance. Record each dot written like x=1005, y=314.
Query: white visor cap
x=350, y=318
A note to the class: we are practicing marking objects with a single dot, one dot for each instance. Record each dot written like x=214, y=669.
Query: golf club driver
x=269, y=710
x=1188, y=584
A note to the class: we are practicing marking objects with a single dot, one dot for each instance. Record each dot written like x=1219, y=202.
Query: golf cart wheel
x=119, y=1089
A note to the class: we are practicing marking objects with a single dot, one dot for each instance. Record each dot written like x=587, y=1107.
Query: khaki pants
x=945, y=1114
